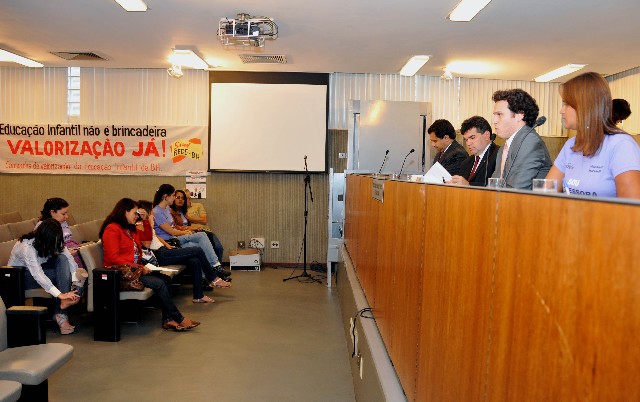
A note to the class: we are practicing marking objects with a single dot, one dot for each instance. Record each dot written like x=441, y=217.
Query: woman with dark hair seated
x=179, y=210
x=166, y=254
x=121, y=244
x=49, y=266
x=58, y=209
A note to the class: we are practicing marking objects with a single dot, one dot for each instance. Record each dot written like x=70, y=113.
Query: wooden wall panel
x=458, y=262
x=566, y=299
x=361, y=231
x=520, y=296
x=403, y=228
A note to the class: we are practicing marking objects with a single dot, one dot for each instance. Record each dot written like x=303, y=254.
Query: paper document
x=154, y=268
x=437, y=174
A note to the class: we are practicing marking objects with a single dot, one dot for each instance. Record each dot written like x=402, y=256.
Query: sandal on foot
x=204, y=299
x=220, y=283
x=63, y=323
x=173, y=326
x=192, y=325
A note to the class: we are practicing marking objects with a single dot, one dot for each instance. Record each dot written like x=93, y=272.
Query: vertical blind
x=454, y=100
x=150, y=96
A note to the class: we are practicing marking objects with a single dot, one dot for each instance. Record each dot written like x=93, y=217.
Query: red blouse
x=119, y=245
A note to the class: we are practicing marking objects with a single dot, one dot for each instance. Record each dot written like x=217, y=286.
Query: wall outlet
x=342, y=155
x=256, y=242
x=275, y=244
x=241, y=244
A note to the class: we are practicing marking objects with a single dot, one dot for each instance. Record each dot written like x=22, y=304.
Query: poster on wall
x=102, y=149
x=197, y=183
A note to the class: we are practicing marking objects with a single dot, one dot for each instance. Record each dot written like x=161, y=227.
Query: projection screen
x=268, y=126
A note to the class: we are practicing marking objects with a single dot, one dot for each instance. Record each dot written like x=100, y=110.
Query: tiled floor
x=263, y=340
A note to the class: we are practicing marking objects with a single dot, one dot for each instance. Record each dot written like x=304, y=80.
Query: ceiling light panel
x=187, y=58
x=8, y=56
x=559, y=72
x=467, y=9
x=413, y=65
x=132, y=5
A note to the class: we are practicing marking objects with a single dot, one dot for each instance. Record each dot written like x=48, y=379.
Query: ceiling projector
x=247, y=30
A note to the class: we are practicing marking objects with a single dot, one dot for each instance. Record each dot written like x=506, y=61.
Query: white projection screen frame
x=267, y=124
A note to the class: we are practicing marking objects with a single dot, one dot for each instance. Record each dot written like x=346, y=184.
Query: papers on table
x=437, y=174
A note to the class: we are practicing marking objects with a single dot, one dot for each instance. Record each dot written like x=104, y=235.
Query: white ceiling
x=520, y=39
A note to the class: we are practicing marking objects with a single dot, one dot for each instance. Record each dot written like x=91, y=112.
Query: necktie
x=475, y=165
x=505, y=152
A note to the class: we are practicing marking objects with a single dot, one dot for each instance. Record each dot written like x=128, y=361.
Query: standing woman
x=601, y=160
x=122, y=246
x=49, y=266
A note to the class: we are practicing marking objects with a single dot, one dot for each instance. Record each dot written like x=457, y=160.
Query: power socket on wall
x=275, y=244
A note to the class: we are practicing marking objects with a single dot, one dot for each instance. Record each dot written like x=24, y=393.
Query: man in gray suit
x=524, y=156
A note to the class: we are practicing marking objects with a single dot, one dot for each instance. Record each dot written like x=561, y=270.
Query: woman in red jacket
x=121, y=244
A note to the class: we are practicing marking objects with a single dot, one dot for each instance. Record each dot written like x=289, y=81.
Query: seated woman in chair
x=49, y=266
x=58, y=209
x=164, y=226
x=122, y=245
x=193, y=257
x=181, y=222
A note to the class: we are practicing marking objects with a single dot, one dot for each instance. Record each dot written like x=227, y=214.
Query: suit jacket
x=485, y=168
x=527, y=159
x=452, y=157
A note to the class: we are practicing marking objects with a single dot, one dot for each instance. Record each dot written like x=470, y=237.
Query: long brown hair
x=590, y=96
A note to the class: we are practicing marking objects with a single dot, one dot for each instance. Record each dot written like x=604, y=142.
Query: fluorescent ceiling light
x=559, y=72
x=187, y=58
x=413, y=65
x=132, y=5
x=467, y=9
x=8, y=56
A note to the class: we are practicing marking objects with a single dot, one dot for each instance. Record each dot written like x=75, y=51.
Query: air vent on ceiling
x=263, y=59
x=79, y=55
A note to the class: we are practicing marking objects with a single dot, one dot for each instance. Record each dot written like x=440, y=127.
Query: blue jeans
x=194, y=258
x=199, y=239
x=215, y=242
x=58, y=271
x=160, y=284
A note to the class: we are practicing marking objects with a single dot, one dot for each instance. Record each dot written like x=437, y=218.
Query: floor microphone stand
x=307, y=186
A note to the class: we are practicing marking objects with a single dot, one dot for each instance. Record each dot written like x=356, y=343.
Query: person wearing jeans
x=164, y=225
x=122, y=245
x=49, y=266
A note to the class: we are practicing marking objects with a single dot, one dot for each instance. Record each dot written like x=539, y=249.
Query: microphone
x=541, y=120
x=383, y=161
x=405, y=159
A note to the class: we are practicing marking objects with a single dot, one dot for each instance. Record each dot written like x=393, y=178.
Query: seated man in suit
x=524, y=156
x=479, y=166
x=450, y=152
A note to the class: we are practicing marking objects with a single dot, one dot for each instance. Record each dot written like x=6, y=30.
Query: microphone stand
x=307, y=185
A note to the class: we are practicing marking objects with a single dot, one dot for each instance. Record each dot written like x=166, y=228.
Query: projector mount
x=246, y=30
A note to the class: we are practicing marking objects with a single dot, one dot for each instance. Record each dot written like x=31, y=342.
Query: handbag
x=129, y=277
x=173, y=241
x=148, y=257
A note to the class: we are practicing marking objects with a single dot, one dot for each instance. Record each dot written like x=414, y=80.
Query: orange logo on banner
x=186, y=149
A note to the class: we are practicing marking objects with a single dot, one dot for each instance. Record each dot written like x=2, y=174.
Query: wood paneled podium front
x=500, y=295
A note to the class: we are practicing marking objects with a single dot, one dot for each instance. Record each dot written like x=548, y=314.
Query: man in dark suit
x=450, y=152
x=479, y=166
x=524, y=156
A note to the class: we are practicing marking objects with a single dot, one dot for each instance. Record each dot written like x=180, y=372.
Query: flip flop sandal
x=204, y=299
x=173, y=327
x=219, y=283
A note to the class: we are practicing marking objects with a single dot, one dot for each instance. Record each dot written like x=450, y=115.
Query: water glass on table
x=545, y=185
